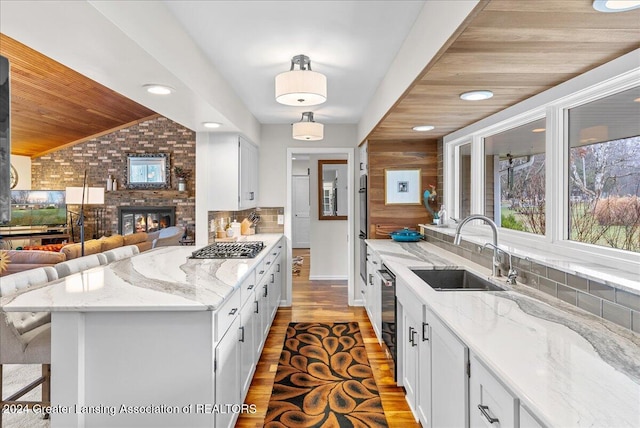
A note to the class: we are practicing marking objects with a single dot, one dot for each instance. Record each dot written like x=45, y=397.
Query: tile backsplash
x=268, y=219
x=602, y=300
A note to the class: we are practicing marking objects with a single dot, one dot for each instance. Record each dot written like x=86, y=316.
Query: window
x=464, y=179
x=586, y=151
x=515, y=178
x=604, y=171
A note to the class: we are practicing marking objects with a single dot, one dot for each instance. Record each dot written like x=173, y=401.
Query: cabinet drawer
x=409, y=301
x=261, y=269
x=226, y=314
x=247, y=287
x=491, y=404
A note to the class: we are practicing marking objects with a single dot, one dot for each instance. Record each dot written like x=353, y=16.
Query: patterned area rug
x=324, y=380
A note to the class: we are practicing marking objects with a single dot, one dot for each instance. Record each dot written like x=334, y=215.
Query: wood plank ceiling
x=514, y=48
x=52, y=105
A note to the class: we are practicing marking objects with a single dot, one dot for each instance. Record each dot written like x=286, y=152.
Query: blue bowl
x=405, y=235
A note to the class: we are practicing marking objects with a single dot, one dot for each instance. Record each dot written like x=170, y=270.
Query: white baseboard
x=328, y=278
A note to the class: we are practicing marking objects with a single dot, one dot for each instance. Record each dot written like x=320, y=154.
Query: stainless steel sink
x=454, y=280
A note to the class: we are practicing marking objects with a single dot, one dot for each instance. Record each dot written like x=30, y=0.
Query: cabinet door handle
x=233, y=311
x=279, y=246
x=278, y=268
x=413, y=340
x=268, y=263
x=250, y=287
x=261, y=272
x=242, y=338
x=483, y=410
x=273, y=278
x=257, y=311
x=266, y=291
x=411, y=335
x=374, y=262
x=251, y=196
x=370, y=279
x=424, y=334
x=273, y=254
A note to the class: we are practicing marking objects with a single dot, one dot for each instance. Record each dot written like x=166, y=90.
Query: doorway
x=321, y=253
x=301, y=206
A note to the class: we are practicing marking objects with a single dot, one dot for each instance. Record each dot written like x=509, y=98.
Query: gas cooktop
x=229, y=250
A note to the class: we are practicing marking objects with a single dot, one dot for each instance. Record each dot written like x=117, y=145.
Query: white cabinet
x=424, y=400
x=232, y=171
x=408, y=344
x=227, y=369
x=432, y=365
x=449, y=379
x=491, y=405
x=373, y=290
x=248, y=333
x=248, y=186
x=241, y=326
x=527, y=420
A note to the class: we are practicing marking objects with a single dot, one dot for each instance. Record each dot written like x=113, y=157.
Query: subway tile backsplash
x=615, y=305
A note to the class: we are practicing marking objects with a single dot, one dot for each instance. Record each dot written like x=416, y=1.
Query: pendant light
x=307, y=129
x=301, y=87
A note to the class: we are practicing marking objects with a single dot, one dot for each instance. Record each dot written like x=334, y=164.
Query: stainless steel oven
x=388, y=310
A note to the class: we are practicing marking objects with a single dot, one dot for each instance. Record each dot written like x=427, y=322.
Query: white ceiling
x=352, y=42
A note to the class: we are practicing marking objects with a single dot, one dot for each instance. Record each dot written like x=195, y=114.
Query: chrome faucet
x=495, y=271
x=513, y=274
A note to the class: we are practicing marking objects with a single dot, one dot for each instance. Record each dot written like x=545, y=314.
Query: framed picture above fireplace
x=147, y=171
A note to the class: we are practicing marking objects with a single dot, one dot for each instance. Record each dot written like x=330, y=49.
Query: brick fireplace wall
x=107, y=155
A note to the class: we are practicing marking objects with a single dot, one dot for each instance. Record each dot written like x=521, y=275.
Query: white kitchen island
x=135, y=342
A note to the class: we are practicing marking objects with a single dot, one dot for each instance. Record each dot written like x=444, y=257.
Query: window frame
x=554, y=104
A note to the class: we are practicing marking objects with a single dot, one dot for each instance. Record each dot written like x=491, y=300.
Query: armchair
x=25, y=337
x=167, y=236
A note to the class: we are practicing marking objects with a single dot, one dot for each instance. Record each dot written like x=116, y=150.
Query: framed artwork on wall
x=402, y=186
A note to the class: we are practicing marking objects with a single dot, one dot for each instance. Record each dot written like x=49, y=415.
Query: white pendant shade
x=301, y=88
x=308, y=131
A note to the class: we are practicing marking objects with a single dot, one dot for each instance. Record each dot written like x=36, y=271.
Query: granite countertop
x=570, y=368
x=163, y=279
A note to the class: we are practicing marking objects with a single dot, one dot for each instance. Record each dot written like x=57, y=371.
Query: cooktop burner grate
x=229, y=250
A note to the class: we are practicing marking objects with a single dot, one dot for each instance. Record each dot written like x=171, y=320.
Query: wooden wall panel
x=399, y=154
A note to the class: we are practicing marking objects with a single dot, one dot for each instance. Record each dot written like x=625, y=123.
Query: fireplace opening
x=145, y=219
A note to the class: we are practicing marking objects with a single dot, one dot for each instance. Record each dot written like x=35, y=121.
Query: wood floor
x=322, y=301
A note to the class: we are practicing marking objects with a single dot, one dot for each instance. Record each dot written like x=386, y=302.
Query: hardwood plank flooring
x=322, y=301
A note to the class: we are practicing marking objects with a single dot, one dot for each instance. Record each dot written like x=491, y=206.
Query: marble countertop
x=163, y=279
x=570, y=368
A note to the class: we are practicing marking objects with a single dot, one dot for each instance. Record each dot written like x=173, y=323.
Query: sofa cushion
x=111, y=242
x=73, y=251
x=144, y=246
x=135, y=238
x=35, y=256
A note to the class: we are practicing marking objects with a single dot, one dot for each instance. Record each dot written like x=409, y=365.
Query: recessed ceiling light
x=158, y=89
x=539, y=130
x=212, y=125
x=615, y=5
x=476, y=95
x=422, y=128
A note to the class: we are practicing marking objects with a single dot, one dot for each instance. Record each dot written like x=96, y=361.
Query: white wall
x=274, y=142
x=329, y=238
x=22, y=164
x=435, y=24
